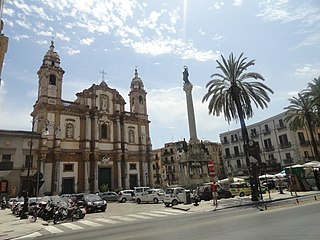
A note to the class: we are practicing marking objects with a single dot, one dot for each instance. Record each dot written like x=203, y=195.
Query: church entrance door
x=67, y=185
x=104, y=177
x=133, y=178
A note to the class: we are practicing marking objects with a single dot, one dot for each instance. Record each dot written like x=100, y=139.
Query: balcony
x=285, y=145
x=269, y=148
x=239, y=154
x=266, y=131
x=288, y=161
x=281, y=126
x=304, y=143
x=254, y=135
x=225, y=142
x=4, y=166
x=226, y=156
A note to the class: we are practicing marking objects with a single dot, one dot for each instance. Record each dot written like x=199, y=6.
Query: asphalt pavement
x=12, y=227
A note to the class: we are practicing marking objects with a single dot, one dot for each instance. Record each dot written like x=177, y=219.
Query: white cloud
x=275, y=10
x=23, y=24
x=20, y=37
x=86, y=41
x=44, y=33
x=238, y=3
x=73, y=51
x=63, y=37
x=311, y=40
x=308, y=71
x=217, y=5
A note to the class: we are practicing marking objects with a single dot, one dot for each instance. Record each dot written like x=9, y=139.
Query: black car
x=204, y=193
x=94, y=203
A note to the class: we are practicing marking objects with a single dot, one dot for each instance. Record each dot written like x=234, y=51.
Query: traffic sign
x=38, y=176
x=212, y=174
x=210, y=165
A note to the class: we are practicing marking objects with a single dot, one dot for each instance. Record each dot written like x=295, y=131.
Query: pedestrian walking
x=214, y=190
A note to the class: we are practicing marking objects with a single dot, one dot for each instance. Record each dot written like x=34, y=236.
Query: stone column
x=118, y=130
x=187, y=87
x=96, y=187
x=88, y=128
x=57, y=182
x=119, y=174
x=86, y=176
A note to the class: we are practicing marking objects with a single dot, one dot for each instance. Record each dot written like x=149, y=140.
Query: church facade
x=92, y=141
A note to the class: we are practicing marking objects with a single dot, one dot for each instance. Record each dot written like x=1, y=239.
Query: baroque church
x=80, y=146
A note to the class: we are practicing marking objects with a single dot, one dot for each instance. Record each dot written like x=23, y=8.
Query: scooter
x=3, y=204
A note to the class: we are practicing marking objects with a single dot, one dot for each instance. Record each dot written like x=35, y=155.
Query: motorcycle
x=3, y=204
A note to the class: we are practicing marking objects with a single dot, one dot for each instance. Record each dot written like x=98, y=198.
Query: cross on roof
x=103, y=74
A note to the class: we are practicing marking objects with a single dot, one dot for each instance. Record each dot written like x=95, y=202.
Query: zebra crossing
x=100, y=222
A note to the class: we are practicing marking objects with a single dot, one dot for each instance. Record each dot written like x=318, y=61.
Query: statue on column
x=185, y=75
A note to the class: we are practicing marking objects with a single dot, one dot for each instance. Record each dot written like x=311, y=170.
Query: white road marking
x=53, y=229
x=139, y=216
x=177, y=211
x=71, y=226
x=153, y=214
x=31, y=235
x=166, y=213
x=127, y=219
x=105, y=220
x=91, y=224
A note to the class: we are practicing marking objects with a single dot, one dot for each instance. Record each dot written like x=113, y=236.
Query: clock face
x=251, y=143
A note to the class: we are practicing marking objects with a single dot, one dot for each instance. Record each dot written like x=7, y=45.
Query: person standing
x=214, y=190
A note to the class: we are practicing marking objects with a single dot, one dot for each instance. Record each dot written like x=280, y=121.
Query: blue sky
x=158, y=37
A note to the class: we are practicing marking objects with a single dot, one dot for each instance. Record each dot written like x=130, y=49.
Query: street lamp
x=26, y=192
x=46, y=132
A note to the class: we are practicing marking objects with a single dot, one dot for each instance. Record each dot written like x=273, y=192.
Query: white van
x=174, y=196
x=137, y=191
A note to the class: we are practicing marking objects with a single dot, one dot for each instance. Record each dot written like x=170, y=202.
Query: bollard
x=315, y=198
x=265, y=206
x=297, y=201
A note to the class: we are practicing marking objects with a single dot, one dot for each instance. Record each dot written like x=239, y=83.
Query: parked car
x=109, y=196
x=94, y=203
x=151, y=195
x=205, y=193
x=125, y=195
x=174, y=196
x=138, y=191
x=240, y=189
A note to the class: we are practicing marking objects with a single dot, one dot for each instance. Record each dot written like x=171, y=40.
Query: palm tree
x=314, y=90
x=231, y=94
x=302, y=112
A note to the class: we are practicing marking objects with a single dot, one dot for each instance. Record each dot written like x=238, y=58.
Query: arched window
x=141, y=99
x=69, y=131
x=52, y=79
x=104, y=131
x=131, y=136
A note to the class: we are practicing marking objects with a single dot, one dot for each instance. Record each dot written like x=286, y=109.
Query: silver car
x=125, y=195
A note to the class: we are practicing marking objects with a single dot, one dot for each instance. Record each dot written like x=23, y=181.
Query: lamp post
x=26, y=192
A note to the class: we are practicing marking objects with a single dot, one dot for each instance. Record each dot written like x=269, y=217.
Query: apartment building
x=279, y=146
x=171, y=165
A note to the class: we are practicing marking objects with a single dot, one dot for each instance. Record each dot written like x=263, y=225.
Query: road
x=298, y=222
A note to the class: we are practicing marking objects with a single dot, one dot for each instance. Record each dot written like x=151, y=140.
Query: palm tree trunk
x=313, y=140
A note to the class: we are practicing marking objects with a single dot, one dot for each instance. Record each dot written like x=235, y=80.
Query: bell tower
x=50, y=77
x=137, y=95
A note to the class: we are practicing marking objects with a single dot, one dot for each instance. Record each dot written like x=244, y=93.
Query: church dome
x=136, y=82
x=51, y=58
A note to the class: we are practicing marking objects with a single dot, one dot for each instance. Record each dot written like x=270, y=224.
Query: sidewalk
x=12, y=227
x=275, y=196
